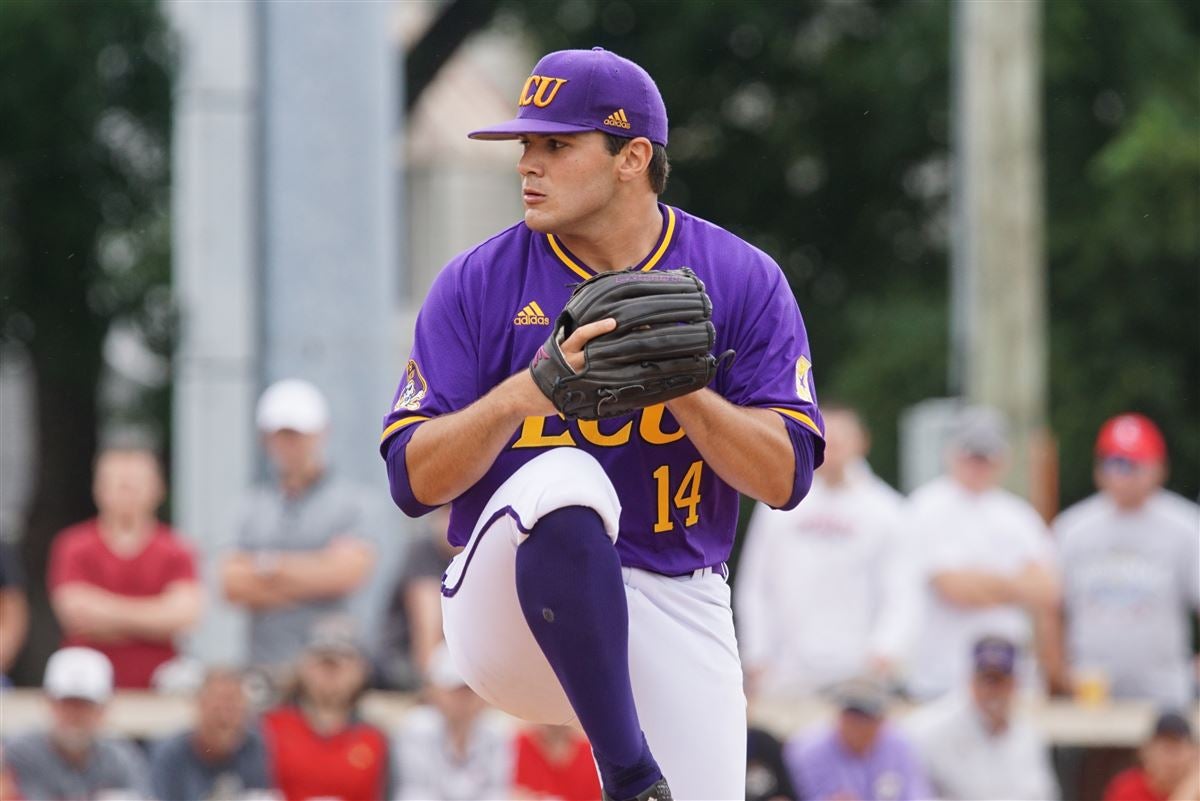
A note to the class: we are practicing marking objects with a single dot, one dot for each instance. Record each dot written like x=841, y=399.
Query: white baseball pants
x=683, y=657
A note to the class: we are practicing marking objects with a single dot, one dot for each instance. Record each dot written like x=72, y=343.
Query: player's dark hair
x=660, y=165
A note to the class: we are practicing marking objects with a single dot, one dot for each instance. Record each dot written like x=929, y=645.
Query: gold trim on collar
x=584, y=273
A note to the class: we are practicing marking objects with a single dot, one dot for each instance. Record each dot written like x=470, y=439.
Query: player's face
x=1129, y=483
x=566, y=180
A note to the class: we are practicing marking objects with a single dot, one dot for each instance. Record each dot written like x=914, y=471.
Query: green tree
x=85, y=102
x=1123, y=193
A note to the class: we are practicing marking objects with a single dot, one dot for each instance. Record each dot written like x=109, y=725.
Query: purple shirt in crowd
x=492, y=307
x=821, y=768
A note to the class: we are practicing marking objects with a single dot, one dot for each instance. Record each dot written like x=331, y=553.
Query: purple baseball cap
x=576, y=91
x=995, y=655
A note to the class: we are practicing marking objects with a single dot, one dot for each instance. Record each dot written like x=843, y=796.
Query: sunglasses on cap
x=1120, y=465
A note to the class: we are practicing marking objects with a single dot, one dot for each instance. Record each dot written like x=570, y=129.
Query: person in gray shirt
x=223, y=757
x=301, y=549
x=71, y=761
x=1130, y=560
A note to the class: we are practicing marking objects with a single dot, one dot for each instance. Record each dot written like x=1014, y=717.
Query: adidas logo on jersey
x=532, y=314
x=617, y=119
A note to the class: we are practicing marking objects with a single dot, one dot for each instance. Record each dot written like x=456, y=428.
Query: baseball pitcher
x=591, y=388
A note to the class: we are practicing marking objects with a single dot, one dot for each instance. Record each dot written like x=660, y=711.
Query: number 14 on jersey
x=687, y=496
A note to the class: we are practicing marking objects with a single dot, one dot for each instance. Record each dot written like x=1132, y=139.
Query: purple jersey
x=492, y=307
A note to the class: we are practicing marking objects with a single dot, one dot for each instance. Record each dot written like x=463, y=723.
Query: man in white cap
x=454, y=747
x=983, y=557
x=302, y=551
x=71, y=760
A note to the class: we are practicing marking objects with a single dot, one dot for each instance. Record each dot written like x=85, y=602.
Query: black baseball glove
x=660, y=349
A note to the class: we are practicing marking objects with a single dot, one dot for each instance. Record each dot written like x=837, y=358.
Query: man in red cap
x=1130, y=559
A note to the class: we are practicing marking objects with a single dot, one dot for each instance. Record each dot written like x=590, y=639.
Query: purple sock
x=570, y=587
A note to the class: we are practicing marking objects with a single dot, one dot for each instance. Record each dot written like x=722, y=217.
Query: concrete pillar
x=285, y=219
x=214, y=230
x=999, y=283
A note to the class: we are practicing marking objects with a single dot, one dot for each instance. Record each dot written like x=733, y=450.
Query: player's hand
x=572, y=346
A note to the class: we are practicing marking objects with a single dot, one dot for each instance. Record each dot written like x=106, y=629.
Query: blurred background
x=996, y=202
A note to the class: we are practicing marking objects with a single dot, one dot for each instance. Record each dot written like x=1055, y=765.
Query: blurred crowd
x=963, y=602
x=957, y=604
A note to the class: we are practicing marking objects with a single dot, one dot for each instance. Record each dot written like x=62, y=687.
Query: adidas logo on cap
x=617, y=119
x=532, y=314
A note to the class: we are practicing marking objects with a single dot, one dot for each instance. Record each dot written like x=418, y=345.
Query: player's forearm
x=448, y=454
x=748, y=448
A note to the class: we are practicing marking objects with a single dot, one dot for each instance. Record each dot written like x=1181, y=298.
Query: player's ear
x=634, y=159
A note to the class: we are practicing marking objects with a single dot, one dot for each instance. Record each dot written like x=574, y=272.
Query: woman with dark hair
x=319, y=746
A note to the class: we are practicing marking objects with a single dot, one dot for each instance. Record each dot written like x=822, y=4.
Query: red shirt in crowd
x=351, y=764
x=79, y=555
x=1131, y=785
x=574, y=779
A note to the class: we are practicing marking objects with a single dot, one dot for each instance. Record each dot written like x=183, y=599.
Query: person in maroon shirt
x=1169, y=769
x=123, y=583
x=554, y=762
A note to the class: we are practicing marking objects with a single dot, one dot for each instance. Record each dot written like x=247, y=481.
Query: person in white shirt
x=455, y=748
x=984, y=559
x=974, y=744
x=1130, y=559
x=821, y=595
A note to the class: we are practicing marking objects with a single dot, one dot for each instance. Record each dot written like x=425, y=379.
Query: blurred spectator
x=8, y=785
x=455, y=748
x=984, y=559
x=976, y=745
x=123, y=583
x=860, y=756
x=767, y=776
x=14, y=610
x=1169, y=769
x=414, y=618
x=319, y=746
x=554, y=762
x=821, y=591
x=71, y=761
x=1130, y=558
x=301, y=552
x=223, y=757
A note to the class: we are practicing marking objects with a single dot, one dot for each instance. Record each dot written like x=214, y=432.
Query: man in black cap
x=1169, y=769
x=975, y=744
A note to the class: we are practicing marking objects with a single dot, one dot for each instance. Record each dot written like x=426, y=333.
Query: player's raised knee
x=560, y=478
